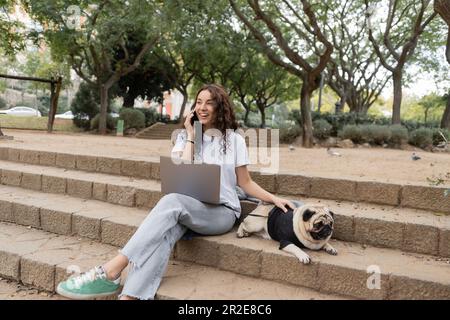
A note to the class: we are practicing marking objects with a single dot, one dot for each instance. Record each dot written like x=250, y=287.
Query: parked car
x=66, y=115
x=22, y=112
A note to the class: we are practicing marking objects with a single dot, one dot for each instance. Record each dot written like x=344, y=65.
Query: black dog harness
x=281, y=227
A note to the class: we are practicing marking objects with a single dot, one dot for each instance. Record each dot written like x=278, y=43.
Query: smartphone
x=194, y=118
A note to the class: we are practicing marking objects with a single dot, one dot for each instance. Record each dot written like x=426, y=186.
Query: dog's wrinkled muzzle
x=322, y=233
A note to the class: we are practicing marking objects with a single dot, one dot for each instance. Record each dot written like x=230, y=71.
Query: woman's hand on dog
x=282, y=203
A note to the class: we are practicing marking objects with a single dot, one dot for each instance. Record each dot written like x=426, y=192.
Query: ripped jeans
x=149, y=248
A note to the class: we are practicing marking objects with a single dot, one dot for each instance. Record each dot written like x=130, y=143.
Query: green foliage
x=149, y=80
x=132, y=118
x=289, y=134
x=11, y=41
x=110, y=122
x=85, y=105
x=422, y=137
x=430, y=103
x=394, y=135
x=3, y=104
x=44, y=105
x=399, y=134
x=151, y=115
x=376, y=134
x=321, y=129
x=339, y=121
x=352, y=132
x=41, y=65
x=437, y=137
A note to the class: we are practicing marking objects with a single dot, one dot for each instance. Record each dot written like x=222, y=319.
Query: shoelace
x=84, y=278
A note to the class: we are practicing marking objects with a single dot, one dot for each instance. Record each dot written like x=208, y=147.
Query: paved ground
x=11, y=290
x=376, y=164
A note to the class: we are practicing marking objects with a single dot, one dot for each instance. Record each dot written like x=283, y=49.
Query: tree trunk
x=342, y=103
x=426, y=116
x=305, y=109
x=103, y=108
x=183, y=104
x=445, y=122
x=247, y=111
x=364, y=108
x=447, y=47
x=397, y=78
x=262, y=110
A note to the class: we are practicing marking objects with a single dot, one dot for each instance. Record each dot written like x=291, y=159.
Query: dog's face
x=316, y=221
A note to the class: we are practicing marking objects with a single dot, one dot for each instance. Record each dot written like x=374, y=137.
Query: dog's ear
x=332, y=214
x=307, y=214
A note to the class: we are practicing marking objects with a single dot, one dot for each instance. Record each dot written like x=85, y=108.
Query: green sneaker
x=90, y=285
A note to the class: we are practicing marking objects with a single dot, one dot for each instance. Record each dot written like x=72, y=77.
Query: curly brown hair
x=225, y=118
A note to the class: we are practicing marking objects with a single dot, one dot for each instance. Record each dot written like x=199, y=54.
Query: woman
x=149, y=249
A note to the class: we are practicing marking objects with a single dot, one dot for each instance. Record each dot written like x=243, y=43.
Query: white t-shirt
x=236, y=156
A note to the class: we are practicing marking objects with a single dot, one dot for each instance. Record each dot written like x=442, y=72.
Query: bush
x=321, y=129
x=437, y=138
x=85, y=106
x=340, y=120
x=376, y=134
x=289, y=134
x=151, y=115
x=399, y=134
x=132, y=118
x=351, y=132
x=110, y=122
x=422, y=137
x=3, y=104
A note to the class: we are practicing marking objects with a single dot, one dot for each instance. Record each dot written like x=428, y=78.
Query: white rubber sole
x=75, y=296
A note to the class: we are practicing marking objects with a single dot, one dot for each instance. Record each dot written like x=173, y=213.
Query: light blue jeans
x=149, y=248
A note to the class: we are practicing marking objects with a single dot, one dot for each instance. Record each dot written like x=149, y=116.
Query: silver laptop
x=199, y=181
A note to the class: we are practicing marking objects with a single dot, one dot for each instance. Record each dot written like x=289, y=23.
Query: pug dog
x=308, y=226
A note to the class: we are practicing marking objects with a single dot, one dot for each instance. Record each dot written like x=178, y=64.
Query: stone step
x=401, y=273
x=41, y=260
x=432, y=198
x=358, y=271
x=410, y=230
x=187, y=281
x=121, y=190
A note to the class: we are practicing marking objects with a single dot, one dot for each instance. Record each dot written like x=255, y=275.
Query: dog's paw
x=304, y=258
x=241, y=233
x=332, y=251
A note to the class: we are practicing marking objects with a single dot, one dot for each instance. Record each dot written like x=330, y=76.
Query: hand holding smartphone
x=194, y=117
x=189, y=122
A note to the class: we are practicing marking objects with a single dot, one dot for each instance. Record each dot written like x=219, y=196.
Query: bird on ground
x=333, y=153
x=415, y=157
x=291, y=148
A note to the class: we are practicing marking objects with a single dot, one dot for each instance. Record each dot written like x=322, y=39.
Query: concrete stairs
x=61, y=212
x=158, y=131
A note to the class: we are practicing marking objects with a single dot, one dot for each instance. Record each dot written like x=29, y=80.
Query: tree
x=354, y=69
x=196, y=44
x=442, y=7
x=430, y=102
x=85, y=105
x=259, y=83
x=238, y=63
x=280, y=42
x=90, y=48
x=148, y=81
x=11, y=39
x=40, y=64
x=404, y=24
